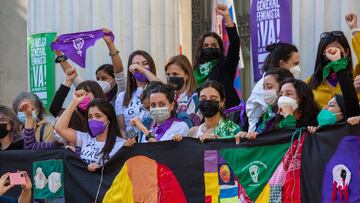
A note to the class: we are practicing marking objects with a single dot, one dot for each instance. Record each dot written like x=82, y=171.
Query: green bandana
x=226, y=129
x=202, y=73
x=336, y=66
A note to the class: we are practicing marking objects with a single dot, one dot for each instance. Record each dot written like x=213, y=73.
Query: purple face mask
x=140, y=77
x=97, y=127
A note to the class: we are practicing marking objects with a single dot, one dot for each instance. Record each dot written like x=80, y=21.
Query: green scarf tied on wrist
x=202, y=73
x=336, y=66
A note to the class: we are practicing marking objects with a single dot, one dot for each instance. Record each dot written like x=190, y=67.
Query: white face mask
x=105, y=86
x=160, y=114
x=270, y=96
x=296, y=71
x=284, y=100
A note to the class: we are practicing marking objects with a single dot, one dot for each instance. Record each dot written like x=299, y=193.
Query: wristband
x=60, y=59
x=114, y=54
x=149, y=136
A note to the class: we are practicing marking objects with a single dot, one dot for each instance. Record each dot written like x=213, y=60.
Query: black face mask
x=209, y=54
x=3, y=130
x=209, y=108
x=176, y=82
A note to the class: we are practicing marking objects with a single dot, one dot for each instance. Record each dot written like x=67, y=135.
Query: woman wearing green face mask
x=340, y=107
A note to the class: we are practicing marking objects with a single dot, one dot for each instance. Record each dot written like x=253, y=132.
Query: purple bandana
x=160, y=130
x=242, y=110
x=332, y=79
x=74, y=45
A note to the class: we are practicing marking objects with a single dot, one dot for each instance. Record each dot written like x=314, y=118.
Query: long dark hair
x=113, y=129
x=93, y=87
x=277, y=52
x=168, y=92
x=219, y=88
x=321, y=62
x=35, y=101
x=108, y=68
x=131, y=81
x=308, y=108
x=198, y=57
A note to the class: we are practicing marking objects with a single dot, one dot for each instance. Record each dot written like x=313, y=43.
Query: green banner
x=41, y=66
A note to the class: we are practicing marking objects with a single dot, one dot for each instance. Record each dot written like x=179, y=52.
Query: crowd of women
x=117, y=111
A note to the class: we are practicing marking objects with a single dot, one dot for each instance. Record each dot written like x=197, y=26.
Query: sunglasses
x=337, y=33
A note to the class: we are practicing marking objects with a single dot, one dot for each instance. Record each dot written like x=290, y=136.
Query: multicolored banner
x=41, y=66
x=279, y=166
x=270, y=22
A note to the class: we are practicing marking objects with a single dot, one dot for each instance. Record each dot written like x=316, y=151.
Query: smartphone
x=16, y=179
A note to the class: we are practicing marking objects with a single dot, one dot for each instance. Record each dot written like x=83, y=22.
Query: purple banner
x=74, y=45
x=270, y=22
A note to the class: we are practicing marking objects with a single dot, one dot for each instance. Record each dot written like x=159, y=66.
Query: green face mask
x=326, y=117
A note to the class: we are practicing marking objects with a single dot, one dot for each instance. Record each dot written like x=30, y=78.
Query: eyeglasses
x=336, y=33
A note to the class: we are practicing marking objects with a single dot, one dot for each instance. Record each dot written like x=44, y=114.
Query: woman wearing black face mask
x=10, y=137
x=179, y=76
x=211, y=104
x=211, y=63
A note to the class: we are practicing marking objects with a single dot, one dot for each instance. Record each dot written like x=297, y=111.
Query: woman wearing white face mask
x=272, y=80
x=296, y=107
x=281, y=55
x=163, y=110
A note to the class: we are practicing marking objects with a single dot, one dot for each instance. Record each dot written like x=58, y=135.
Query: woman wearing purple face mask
x=141, y=70
x=102, y=141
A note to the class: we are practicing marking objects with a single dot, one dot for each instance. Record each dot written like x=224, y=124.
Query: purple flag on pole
x=270, y=22
x=74, y=45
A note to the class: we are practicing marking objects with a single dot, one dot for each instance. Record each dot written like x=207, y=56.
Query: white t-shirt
x=91, y=148
x=132, y=110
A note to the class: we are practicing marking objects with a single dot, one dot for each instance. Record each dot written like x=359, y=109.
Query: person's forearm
x=31, y=143
x=25, y=197
x=115, y=58
x=228, y=21
x=68, y=83
x=150, y=76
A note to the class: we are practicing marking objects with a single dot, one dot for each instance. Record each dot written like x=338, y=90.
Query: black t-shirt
x=15, y=145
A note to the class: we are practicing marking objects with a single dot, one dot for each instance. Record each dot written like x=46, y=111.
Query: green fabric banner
x=42, y=66
x=254, y=166
x=48, y=179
